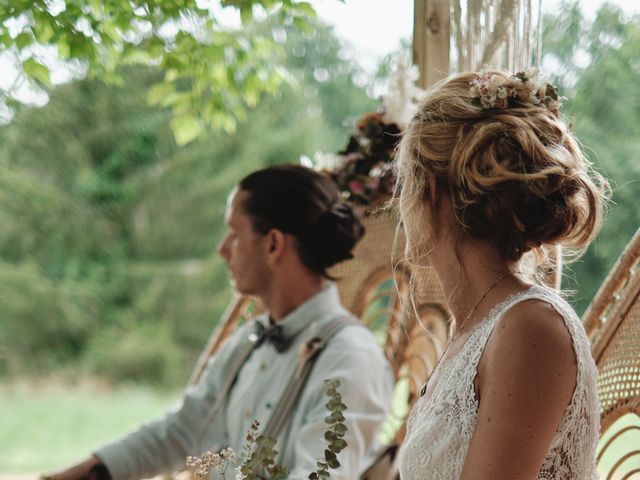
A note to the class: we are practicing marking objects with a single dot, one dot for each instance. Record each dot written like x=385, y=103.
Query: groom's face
x=243, y=249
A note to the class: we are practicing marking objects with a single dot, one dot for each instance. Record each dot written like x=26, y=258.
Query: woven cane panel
x=618, y=453
x=619, y=366
x=372, y=263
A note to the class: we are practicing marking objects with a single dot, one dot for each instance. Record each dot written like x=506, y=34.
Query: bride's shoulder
x=531, y=346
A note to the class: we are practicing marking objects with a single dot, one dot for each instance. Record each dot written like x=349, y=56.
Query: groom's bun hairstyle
x=514, y=171
x=306, y=204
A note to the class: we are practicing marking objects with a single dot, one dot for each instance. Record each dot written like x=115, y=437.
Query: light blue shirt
x=351, y=356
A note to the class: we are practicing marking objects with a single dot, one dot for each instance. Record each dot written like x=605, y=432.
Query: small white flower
x=228, y=454
x=502, y=93
x=239, y=474
x=495, y=82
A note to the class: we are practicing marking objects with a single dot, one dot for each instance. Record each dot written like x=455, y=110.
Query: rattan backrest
x=613, y=325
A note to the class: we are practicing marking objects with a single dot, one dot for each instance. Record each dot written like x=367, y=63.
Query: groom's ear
x=276, y=244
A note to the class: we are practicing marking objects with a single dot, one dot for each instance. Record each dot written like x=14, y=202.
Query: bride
x=489, y=179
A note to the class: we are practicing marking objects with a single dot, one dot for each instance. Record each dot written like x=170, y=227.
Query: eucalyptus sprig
x=259, y=457
x=334, y=435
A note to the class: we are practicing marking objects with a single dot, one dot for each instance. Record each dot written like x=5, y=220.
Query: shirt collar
x=325, y=302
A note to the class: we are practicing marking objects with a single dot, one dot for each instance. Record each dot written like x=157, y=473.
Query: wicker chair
x=613, y=325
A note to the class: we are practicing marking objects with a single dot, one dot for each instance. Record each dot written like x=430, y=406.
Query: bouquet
x=259, y=454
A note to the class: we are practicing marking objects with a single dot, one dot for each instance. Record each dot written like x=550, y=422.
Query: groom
x=285, y=228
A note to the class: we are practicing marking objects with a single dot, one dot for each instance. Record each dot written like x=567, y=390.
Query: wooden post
x=431, y=32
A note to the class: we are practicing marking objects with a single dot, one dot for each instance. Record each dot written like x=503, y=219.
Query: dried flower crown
x=491, y=90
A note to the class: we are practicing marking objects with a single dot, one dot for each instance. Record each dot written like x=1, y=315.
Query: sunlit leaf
x=185, y=128
x=159, y=92
x=43, y=31
x=23, y=39
x=36, y=71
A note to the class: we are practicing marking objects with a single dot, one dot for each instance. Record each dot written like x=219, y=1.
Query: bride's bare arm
x=526, y=378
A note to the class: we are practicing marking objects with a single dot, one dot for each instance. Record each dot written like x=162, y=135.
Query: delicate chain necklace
x=475, y=307
x=459, y=330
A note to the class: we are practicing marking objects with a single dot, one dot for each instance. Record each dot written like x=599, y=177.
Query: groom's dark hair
x=306, y=204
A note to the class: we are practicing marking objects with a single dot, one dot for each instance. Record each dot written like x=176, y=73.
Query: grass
x=47, y=426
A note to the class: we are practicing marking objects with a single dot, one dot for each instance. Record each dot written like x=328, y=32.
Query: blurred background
x=110, y=210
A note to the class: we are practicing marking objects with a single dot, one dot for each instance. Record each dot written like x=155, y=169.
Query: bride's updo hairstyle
x=514, y=172
x=306, y=204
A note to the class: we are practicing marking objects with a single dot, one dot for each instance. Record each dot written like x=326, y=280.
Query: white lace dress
x=439, y=429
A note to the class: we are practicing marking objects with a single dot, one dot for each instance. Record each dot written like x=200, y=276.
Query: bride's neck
x=467, y=268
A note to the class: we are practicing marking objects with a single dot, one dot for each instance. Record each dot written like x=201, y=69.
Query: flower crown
x=490, y=90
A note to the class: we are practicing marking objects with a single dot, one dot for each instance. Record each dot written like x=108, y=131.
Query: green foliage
x=212, y=73
x=135, y=353
x=262, y=460
x=109, y=227
x=598, y=72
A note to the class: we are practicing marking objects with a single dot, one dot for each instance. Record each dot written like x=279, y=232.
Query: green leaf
x=329, y=455
x=302, y=24
x=23, y=40
x=43, y=31
x=246, y=14
x=36, y=70
x=340, y=444
x=159, y=92
x=306, y=8
x=185, y=128
x=340, y=428
x=63, y=48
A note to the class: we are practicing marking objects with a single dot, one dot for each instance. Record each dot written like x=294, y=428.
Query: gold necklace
x=475, y=307
x=423, y=390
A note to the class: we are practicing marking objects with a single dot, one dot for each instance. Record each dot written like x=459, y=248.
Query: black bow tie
x=273, y=334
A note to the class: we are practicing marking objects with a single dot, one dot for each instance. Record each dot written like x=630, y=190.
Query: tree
x=212, y=74
x=107, y=251
x=598, y=71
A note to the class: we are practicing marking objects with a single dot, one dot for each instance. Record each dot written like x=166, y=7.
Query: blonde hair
x=516, y=176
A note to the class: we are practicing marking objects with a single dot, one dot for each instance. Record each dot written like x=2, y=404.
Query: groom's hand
x=89, y=469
